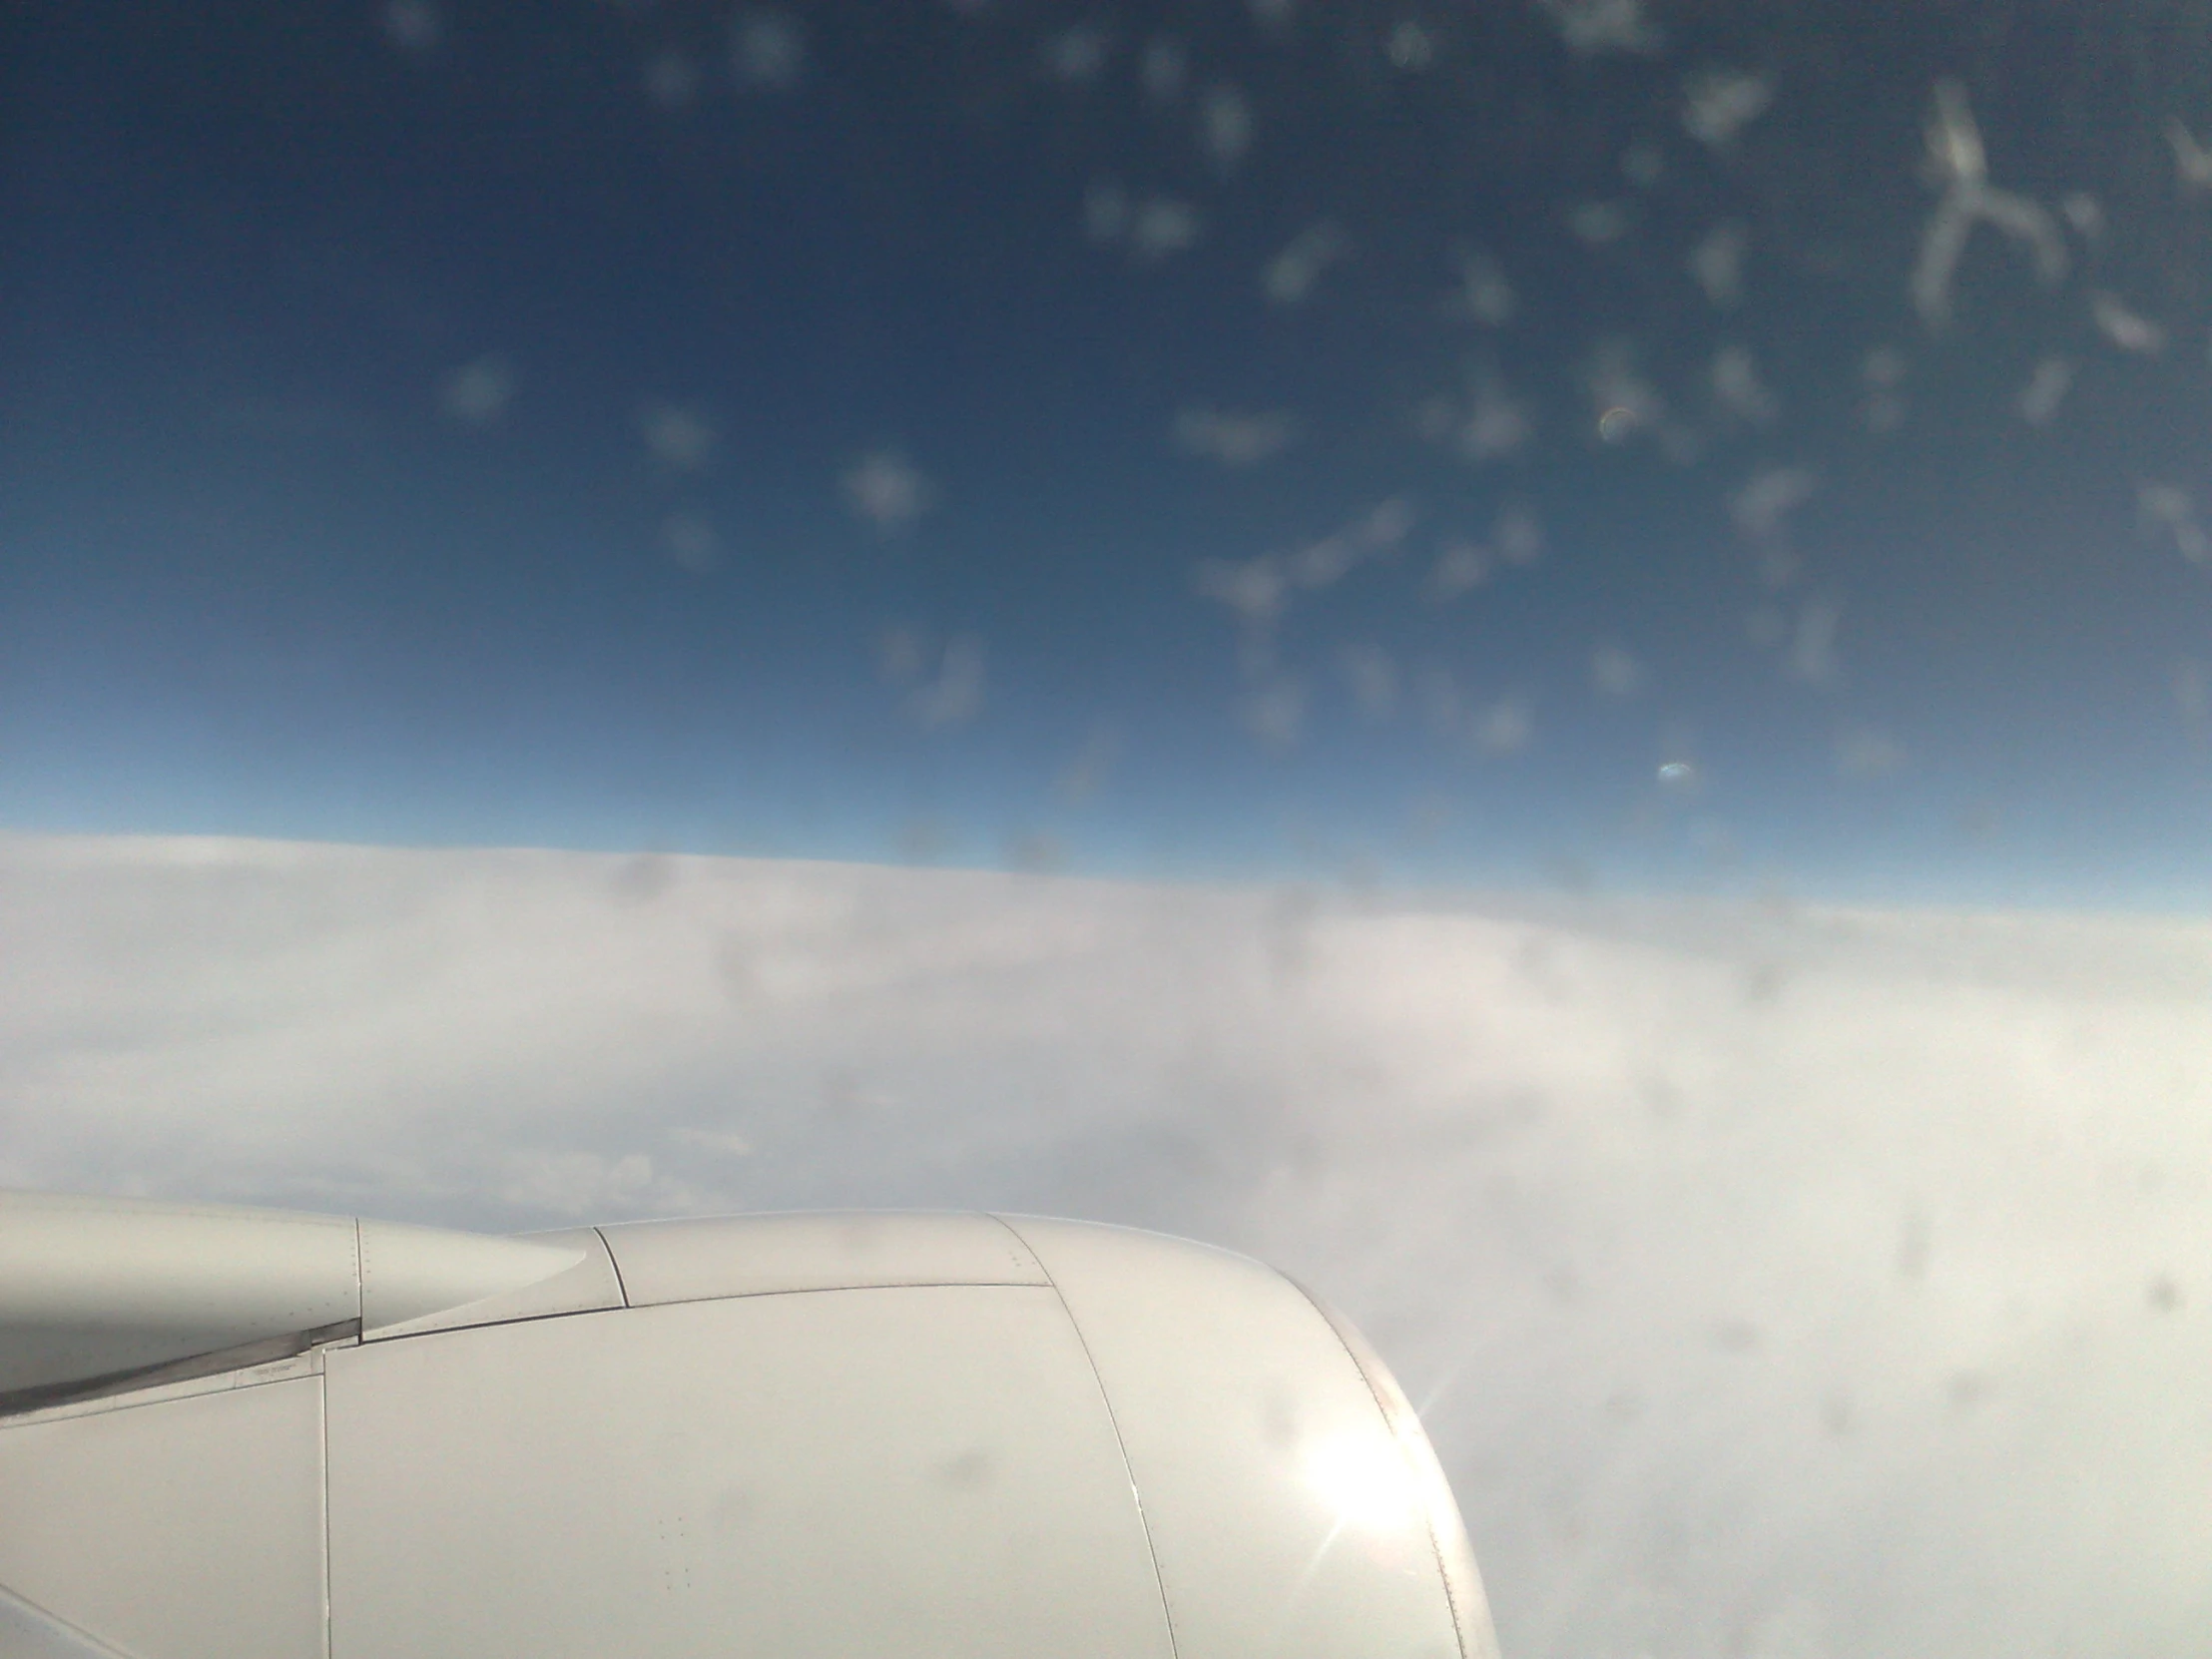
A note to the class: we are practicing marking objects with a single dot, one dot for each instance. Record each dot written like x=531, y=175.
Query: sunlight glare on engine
x=1363, y=1480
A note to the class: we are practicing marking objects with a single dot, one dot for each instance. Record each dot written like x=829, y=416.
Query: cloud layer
x=1780, y=1284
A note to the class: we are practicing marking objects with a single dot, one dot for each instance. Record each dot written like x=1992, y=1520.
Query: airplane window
x=1547, y=660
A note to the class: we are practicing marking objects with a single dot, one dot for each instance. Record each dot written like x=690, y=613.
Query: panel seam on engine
x=1389, y=1428
x=1144, y=1521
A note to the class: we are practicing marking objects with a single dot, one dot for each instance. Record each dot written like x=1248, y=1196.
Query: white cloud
x=954, y=696
x=2085, y=212
x=1615, y=672
x=670, y=80
x=1492, y=730
x=2192, y=161
x=2046, y=388
x=888, y=491
x=1486, y=293
x=413, y=25
x=1518, y=534
x=1409, y=47
x=681, y=437
x=1882, y=370
x=2124, y=326
x=1375, y=534
x=1161, y=226
x=1505, y=727
x=689, y=538
x=1370, y=675
x=1959, y=164
x=1740, y=389
x=944, y=686
x=1273, y=713
x=577, y=1186
x=1225, y=126
x=2171, y=512
x=1762, y=506
x=1812, y=655
x=1717, y=104
x=1863, y=753
x=1622, y=401
x=478, y=393
x=1256, y=589
x=1293, y=275
x=1259, y=590
x=1163, y=69
x=1599, y=26
x=1717, y=263
x=725, y=1141
x=1498, y=424
x=1093, y=764
x=768, y=50
x=1077, y=54
x=1763, y=1272
x=1233, y=440
x=1598, y=224
x=1460, y=567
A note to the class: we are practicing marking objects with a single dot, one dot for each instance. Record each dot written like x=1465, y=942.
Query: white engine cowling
x=805, y=1437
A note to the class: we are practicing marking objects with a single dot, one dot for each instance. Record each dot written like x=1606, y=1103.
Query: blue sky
x=1098, y=439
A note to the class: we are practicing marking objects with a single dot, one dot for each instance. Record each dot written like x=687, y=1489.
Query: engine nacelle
x=782, y=1437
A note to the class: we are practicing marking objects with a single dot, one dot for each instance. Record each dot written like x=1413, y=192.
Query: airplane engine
x=249, y=1435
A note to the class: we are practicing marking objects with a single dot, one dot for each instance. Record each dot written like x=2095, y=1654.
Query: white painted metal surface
x=92, y=1286
x=409, y=1273
x=588, y=1285
x=926, y=1472
x=28, y=1632
x=944, y=1437
x=684, y=1260
x=1287, y=1517
x=181, y=1529
x=1470, y=1605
